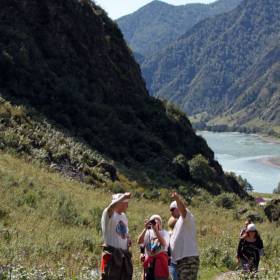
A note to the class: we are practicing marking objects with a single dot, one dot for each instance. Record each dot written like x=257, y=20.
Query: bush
x=116, y=187
x=255, y=217
x=228, y=261
x=96, y=214
x=67, y=212
x=226, y=200
x=211, y=256
x=3, y=213
x=181, y=166
x=277, y=190
x=29, y=198
x=246, y=186
x=272, y=210
x=165, y=195
x=152, y=194
x=200, y=169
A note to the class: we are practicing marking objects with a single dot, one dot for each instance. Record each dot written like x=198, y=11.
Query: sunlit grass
x=35, y=232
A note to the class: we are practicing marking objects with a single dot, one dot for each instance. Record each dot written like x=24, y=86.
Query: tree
x=245, y=184
x=277, y=190
x=200, y=169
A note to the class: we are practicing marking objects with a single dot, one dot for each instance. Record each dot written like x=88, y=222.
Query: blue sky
x=118, y=8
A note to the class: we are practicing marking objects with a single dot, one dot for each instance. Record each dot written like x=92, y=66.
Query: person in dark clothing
x=250, y=248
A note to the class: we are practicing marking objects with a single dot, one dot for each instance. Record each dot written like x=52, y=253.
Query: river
x=251, y=156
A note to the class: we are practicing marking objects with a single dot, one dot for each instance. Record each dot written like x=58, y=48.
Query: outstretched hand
x=127, y=195
x=180, y=204
x=146, y=224
x=174, y=195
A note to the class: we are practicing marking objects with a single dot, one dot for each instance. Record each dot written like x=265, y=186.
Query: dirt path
x=235, y=275
x=231, y=275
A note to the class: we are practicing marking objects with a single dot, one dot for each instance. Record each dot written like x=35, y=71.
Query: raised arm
x=141, y=237
x=111, y=208
x=180, y=204
x=159, y=236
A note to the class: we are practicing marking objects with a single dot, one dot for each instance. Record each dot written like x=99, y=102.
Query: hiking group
x=164, y=254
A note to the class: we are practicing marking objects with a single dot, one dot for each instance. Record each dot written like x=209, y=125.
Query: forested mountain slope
x=225, y=67
x=159, y=24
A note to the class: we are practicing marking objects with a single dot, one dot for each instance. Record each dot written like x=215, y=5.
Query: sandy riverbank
x=269, y=139
x=272, y=161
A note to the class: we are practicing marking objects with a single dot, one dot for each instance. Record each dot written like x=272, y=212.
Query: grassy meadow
x=50, y=226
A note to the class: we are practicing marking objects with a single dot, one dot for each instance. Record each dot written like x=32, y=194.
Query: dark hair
x=249, y=220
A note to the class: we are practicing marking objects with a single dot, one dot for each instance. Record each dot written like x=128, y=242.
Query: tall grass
x=49, y=223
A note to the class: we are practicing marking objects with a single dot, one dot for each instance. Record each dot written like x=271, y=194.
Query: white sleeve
x=166, y=237
x=104, y=222
x=188, y=216
x=146, y=238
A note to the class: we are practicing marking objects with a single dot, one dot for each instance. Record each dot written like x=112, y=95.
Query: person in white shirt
x=116, y=261
x=183, y=240
x=156, y=242
x=172, y=264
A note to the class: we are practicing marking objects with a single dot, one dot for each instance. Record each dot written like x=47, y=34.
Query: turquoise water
x=246, y=155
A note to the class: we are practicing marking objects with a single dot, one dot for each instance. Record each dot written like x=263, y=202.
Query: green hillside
x=50, y=226
x=225, y=71
x=158, y=24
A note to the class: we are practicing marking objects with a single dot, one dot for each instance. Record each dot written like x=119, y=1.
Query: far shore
x=263, y=136
x=269, y=139
x=272, y=161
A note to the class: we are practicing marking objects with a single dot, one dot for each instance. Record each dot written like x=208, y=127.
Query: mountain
x=159, y=24
x=73, y=98
x=225, y=70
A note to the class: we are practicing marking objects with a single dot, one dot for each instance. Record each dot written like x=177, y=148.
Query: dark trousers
x=116, y=264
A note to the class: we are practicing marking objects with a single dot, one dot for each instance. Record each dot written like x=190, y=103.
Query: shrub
x=186, y=192
x=3, y=213
x=246, y=186
x=116, y=187
x=228, y=261
x=255, y=217
x=29, y=198
x=165, y=195
x=277, y=190
x=272, y=210
x=202, y=198
x=152, y=194
x=181, y=166
x=200, y=169
x=96, y=214
x=226, y=200
x=67, y=212
x=211, y=256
